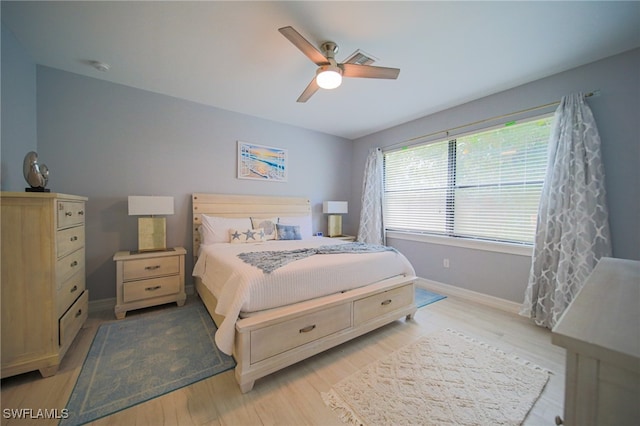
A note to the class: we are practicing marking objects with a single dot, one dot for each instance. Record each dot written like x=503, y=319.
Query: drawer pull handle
x=154, y=288
x=73, y=289
x=68, y=213
x=78, y=313
x=74, y=263
x=307, y=329
x=74, y=238
x=81, y=213
x=152, y=268
x=386, y=302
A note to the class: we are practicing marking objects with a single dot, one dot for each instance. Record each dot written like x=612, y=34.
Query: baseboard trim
x=473, y=296
x=102, y=305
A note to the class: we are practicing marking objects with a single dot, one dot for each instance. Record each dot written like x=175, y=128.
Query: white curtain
x=573, y=228
x=370, y=230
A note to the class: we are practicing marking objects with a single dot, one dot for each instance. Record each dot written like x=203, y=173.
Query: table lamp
x=334, y=209
x=152, y=231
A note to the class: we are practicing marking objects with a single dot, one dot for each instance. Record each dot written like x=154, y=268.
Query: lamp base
x=334, y=228
x=152, y=234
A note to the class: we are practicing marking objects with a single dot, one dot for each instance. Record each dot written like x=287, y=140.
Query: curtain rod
x=409, y=142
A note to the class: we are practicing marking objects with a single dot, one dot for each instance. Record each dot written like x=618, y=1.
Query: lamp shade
x=334, y=207
x=150, y=205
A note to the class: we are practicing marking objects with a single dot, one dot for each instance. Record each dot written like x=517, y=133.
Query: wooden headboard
x=228, y=205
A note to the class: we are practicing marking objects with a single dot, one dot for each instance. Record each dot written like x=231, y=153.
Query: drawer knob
x=81, y=213
x=74, y=238
x=68, y=213
x=154, y=288
x=307, y=329
x=73, y=289
x=152, y=268
x=386, y=302
x=74, y=263
x=78, y=313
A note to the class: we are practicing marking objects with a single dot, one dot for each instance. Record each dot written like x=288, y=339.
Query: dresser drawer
x=70, y=213
x=381, y=303
x=72, y=321
x=277, y=338
x=68, y=266
x=152, y=267
x=147, y=289
x=69, y=240
x=69, y=292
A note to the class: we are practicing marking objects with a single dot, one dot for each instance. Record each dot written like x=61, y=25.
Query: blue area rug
x=134, y=360
x=425, y=297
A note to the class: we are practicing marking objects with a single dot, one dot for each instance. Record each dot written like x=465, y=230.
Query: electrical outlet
x=445, y=263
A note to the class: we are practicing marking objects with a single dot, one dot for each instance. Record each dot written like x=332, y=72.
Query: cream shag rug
x=444, y=378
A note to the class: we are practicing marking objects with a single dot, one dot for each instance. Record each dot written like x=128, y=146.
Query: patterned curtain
x=370, y=230
x=573, y=228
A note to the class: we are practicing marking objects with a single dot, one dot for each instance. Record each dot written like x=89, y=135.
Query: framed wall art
x=261, y=162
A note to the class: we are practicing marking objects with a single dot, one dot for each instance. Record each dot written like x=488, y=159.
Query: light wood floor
x=292, y=396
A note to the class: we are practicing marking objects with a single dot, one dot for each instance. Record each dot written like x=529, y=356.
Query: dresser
x=44, y=298
x=151, y=278
x=601, y=333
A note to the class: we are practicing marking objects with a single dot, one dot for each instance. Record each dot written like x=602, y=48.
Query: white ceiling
x=231, y=55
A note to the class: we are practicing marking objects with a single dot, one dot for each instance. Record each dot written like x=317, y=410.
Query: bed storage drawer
x=381, y=303
x=278, y=338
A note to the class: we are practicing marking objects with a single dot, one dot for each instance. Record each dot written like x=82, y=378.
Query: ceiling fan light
x=329, y=77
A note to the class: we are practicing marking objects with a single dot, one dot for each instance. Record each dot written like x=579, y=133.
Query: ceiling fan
x=329, y=73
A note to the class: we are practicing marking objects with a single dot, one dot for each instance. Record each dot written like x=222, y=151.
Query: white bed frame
x=269, y=341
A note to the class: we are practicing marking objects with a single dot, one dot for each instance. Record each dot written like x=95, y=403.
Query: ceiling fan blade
x=305, y=47
x=309, y=91
x=368, y=71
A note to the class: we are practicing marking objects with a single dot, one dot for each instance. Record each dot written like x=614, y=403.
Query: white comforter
x=240, y=287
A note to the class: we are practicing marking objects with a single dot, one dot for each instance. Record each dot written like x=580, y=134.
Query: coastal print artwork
x=261, y=162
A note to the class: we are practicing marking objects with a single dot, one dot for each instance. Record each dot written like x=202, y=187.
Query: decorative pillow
x=304, y=222
x=288, y=232
x=268, y=224
x=247, y=236
x=215, y=229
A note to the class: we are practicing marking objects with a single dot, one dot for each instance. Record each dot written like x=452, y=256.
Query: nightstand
x=345, y=237
x=146, y=279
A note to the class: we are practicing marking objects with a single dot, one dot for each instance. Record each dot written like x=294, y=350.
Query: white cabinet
x=601, y=333
x=44, y=300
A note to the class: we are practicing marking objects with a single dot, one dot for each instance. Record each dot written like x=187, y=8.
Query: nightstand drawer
x=72, y=321
x=68, y=266
x=147, y=289
x=381, y=303
x=70, y=213
x=277, y=338
x=148, y=268
x=69, y=291
x=69, y=240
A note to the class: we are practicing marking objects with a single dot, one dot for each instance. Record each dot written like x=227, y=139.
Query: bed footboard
x=268, y=342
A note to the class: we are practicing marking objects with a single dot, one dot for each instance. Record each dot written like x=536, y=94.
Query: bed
x=271, y=316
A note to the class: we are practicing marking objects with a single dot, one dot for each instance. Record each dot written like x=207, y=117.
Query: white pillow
x=215, y=229
x=304, y=222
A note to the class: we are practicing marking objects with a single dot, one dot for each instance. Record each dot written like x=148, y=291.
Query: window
x=484, y=185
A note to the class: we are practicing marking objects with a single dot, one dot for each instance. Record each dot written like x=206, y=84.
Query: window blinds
x=483, y=185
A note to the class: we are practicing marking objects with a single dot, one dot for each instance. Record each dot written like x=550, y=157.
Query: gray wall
x=108, y=141
x=18, y=111
x=617, y=112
